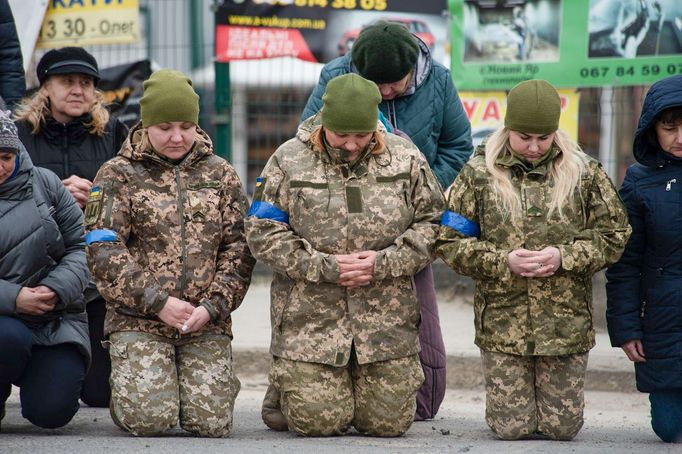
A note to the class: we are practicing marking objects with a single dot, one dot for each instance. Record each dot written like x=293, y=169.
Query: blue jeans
x=50, y=378
x=666, y=415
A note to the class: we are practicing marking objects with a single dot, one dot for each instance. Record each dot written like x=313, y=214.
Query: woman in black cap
x=66, y=128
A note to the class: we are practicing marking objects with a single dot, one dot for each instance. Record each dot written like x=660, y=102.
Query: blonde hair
x=317, y=139
x=564, y=171
x=35, y=109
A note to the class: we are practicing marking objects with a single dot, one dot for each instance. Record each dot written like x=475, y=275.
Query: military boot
x=271, y=412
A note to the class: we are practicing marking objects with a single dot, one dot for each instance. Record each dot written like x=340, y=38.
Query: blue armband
x=460, y=224
x=100, y=236
x=264, y=210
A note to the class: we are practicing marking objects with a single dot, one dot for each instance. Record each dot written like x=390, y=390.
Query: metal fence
x=268, y=96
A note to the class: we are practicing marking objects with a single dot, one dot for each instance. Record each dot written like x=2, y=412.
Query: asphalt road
x=614, y=423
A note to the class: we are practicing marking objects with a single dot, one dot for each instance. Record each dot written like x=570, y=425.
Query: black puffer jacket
x=42, y=244
x=12, y=81
x=70, y=149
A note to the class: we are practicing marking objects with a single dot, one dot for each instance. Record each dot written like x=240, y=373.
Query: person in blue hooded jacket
x=644, y=306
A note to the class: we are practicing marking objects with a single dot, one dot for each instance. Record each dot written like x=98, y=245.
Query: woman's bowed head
x=169, y=110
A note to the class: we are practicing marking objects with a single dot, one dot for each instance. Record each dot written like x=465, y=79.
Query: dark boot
x=271, y=412
x=5, y=391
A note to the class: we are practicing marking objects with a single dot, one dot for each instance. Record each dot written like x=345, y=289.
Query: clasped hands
x=356, y=269
x=182, y=316
x=526, y=263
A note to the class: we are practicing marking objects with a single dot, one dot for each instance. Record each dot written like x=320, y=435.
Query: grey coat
x=42, y=244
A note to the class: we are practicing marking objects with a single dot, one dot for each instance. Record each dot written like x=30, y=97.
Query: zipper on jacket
x=67, y=156
x=641, y=311
x=669, y=184
x=183, y=234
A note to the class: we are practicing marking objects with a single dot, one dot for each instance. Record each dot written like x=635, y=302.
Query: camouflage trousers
x=156, y=381
x=534, y=395
x=378, y=399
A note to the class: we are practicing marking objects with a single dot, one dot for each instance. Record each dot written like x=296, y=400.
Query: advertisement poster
x=318, y=30
x=485, y=111
x=571, y=43
x=80, y=23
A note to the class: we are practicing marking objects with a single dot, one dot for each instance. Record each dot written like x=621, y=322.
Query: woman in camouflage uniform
x=166, y=247
x=345, y=214
x=531, y=218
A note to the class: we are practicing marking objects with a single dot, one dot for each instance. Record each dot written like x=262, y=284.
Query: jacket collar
x=539, y=167
x=74, y=131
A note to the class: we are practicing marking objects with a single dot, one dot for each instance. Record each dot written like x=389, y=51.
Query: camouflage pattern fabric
x=157, y=381
x=534, y=395
x=179, y=231
x=389, y=202
x=378, y=399
x=542, y=316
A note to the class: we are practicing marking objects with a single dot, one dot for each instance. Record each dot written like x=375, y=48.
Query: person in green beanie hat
x=531, y=218
x=165, y=242
x=345, y=214
x=419, y=99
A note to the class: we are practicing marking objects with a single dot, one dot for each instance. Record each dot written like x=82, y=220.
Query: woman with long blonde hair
x=66, y=128
x=531, y=218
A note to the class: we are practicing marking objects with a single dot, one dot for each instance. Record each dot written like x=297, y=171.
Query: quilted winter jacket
x=643, y=289
x=42, y=244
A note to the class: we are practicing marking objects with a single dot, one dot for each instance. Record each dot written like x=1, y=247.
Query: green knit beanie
x=168, y=96
x=385, y=52
x=533, y=107
x=350, y=105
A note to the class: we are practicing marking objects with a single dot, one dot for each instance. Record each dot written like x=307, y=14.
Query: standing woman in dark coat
x=644, y=308
x=66, y=128
x=44, y=346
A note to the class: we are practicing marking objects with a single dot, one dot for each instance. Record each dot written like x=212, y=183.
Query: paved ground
x=615, y=421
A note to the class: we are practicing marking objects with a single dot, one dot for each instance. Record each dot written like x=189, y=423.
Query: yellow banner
x=87, y=22
x=486, y=109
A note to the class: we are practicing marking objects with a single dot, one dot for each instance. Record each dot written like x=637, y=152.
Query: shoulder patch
x=260, y=186
x=93, y=208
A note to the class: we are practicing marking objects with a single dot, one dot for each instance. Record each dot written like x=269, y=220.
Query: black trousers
x=96, y=390
x=50, y=378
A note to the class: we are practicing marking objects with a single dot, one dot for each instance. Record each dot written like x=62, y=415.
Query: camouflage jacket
x=155, y=229
x=524, y=316
x=309, y=206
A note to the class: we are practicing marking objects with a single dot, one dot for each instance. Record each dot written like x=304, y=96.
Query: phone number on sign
x=376, y=5
x=596, y=72
x=79, y=28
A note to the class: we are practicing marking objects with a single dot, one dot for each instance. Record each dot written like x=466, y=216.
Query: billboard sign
x=318, y=30
x=570, y=43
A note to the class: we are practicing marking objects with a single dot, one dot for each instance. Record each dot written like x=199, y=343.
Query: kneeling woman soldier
x=345, y=214
x=531, y=218
x=166, y=247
